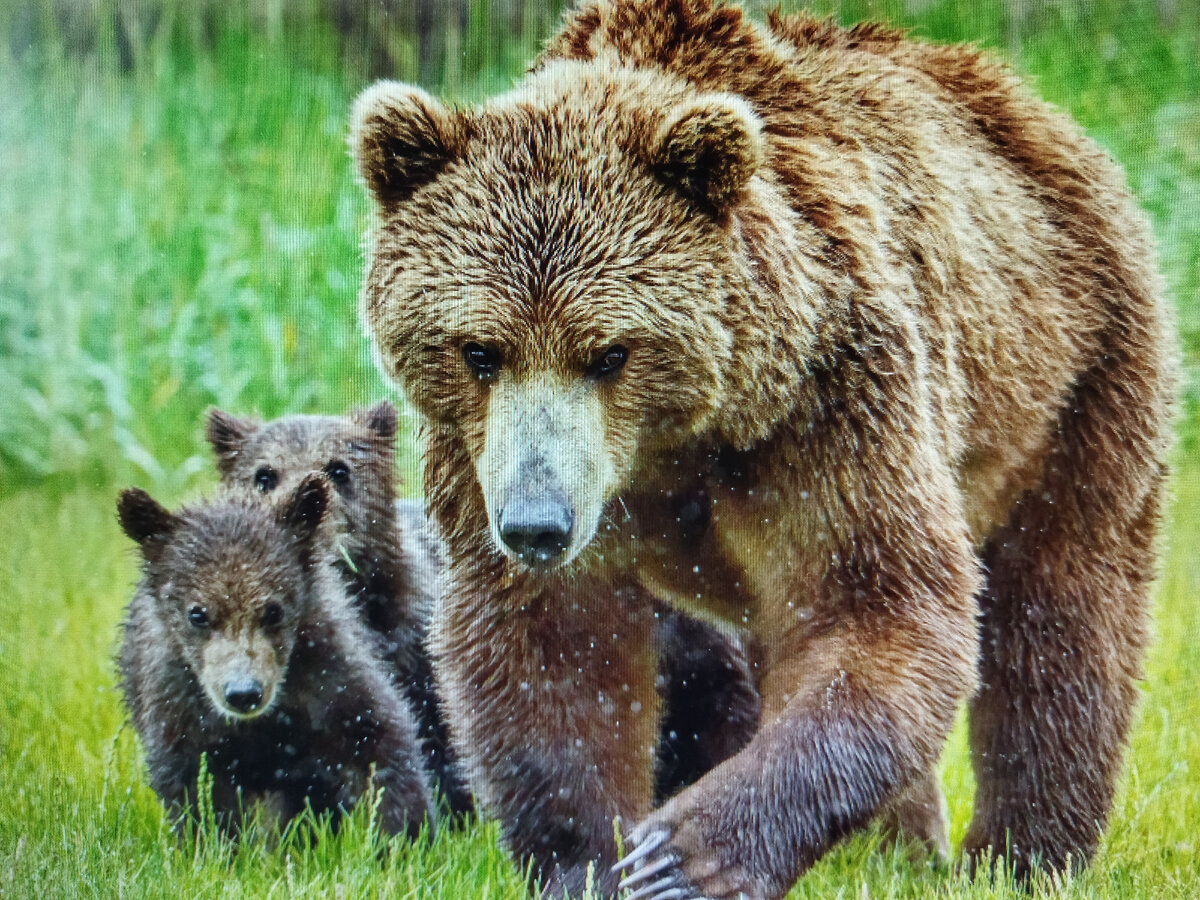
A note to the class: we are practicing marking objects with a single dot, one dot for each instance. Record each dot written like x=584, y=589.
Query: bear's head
x=233, y=581
x=355, y=453
x=558, y=277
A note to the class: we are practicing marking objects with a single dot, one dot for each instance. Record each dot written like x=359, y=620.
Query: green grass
x=188, y=233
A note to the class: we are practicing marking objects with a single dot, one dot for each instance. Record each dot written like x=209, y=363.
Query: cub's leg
x=1064, y=632
x=710, y=700
x=551, y=700
x=919, y=814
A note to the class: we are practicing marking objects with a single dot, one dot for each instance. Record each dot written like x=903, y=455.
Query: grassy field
x=187, y=232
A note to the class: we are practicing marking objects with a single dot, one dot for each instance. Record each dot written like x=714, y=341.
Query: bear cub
x=386, y=552
x=240, y=645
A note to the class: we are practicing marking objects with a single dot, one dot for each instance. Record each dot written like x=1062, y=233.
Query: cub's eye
x=272, y=615
x=265, y=479
x=609, y=362
x=483, y=361
x=338, y=471
x=198, y=616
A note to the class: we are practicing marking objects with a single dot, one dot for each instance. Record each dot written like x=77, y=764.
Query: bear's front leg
x=857, y=704
x=553, y=710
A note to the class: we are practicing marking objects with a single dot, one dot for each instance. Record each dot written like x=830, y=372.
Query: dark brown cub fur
x=388, y=555
x=239, y=645
x=710, y=703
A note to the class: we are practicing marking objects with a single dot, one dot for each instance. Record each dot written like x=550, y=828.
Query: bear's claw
x=644, y=843
x=652, y=858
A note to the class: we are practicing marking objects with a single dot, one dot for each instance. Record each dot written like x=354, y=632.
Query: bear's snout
x=244, y=694
x=544, y=473
x=537, y=529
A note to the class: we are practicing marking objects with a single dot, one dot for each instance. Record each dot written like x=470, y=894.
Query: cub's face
x=231, y=583
x=548, y=281
x=354, y=453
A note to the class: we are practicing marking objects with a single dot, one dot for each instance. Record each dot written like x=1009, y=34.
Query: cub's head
x=553, y=279
x=233, y=580
x=355, y=453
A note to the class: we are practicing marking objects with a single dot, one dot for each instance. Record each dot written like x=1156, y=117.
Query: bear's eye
x=482, y=360
x=198, y=616
x=609, y=362
x=272, y=615
x=265, y=479
x=338, y=471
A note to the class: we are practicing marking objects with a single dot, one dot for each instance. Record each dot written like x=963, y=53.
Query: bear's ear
x=305, y=510
x=401, y=137
x=144, y=519
x=708, y=149
x=228, y=435
x=381, y=419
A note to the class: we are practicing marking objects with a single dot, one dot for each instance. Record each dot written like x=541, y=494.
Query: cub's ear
x=228, y=435
x=401, y=137
x=381, y=419
x=708, y=149
x=143, y=518
x=304, y=511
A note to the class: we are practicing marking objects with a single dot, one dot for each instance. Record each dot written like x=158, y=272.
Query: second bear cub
x=239, y=644
x=389, y=558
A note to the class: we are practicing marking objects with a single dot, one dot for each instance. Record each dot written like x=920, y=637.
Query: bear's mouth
x=240, y=674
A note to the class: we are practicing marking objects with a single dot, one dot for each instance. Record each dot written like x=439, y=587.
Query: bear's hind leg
x=1063, y=628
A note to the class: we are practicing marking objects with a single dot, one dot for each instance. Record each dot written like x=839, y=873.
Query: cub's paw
x=674, y=862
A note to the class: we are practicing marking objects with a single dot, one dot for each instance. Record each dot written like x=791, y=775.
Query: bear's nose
x=243, y=694
x=537, y=529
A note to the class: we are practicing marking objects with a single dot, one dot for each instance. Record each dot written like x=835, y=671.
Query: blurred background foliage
x=180, y=225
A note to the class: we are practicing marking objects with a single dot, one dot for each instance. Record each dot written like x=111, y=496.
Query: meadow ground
x=187, y=232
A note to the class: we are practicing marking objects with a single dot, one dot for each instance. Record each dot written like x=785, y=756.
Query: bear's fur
x=357, y=453
x=392, y=563
x=388, y=555
x=894, y=318
x=240, y=645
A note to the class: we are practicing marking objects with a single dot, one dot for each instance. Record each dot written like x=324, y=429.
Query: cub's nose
x=243, y=694
x=537, y=529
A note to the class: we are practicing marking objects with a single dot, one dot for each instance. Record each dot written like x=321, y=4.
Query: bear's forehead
x=521, y=220
x=308, y=442
x=235, y=572
x=229, y=533
x=576, y=137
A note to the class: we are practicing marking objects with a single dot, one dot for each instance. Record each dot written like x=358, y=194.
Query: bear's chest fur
x=708, y=536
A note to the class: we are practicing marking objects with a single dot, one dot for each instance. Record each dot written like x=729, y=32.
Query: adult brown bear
x=889, y=321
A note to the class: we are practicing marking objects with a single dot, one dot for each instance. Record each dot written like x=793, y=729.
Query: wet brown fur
x=387, y=554
x=894, y=318
x=331, y=725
